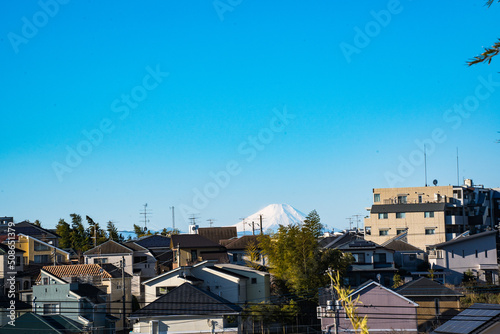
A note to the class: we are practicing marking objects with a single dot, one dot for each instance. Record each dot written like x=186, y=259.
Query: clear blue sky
x=173, y=93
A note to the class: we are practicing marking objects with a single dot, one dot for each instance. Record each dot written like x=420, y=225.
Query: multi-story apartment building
x=431, y=215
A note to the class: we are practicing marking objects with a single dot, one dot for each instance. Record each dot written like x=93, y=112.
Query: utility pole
x=350, y=223
x=173, y=218
x=357, y=220
x=261, y=225
x=123, y=296
x=253, y=228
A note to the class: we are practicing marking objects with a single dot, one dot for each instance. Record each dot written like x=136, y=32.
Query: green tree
x=488, y=53
x=295, y=259
x=139, y=231
x=37, y=223
x=80, y=240
x=113, y=232
x=64, y=231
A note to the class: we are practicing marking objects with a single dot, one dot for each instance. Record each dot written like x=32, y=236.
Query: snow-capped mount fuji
x=273, y=215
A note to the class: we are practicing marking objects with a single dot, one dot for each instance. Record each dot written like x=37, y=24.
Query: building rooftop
x=193, y=241
x=425, y=287
x=109, y=247
x=414, y=207
x=216, y=234
x=472, y=320
x=154, y=241
x=464, y=237
x=187, y=299
x=105, y=270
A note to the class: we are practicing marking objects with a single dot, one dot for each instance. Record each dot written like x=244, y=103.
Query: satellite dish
x=435, y=182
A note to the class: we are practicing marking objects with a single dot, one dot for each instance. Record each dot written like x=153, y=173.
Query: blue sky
x=219, y=108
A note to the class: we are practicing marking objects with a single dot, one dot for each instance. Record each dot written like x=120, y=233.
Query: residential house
x=159, y=246
x=37, y=251
x=371, y=261
x=431, y=215
x=116, y=253
x=106, y=277
x=230, y=285
x=477, y=253
x=30, y=323
x=10, y=263
x=436, y=302
x=29, y=229
x=477, y=319
x=81, y=302
x=216, y=234
x=386, y=310
x=237, y=250
x=188, y=309
x=406, y=257
x=258, y=284
x=190, y=249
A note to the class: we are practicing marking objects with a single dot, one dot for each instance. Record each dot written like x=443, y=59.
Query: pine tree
x=64, y=231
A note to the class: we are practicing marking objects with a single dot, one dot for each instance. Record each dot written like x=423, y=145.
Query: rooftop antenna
x=193, y=219
x=357, y=220
x=244, y=223
x=173, y=218
x=425, y=165
x=211, y=221
x=458, y=171
x=145, y=213
x=350, y=222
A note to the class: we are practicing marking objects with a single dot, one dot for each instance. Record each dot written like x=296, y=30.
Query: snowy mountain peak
x=273, y=215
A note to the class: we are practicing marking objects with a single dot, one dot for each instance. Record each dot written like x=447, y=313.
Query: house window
x=140, y=259
x=26, y=285
x=383, y=215
x=359, y=257
x=254, y=280
x=194, y=255
x=161, y=290
x=452, y=254
x=485, y=253
x=463, y=253
x=412, y=257
x=101, y=260
x=383, y=232
x=376, y=198
x=18, y=261
x=436, y=306
x=429, y=231
x=41, y=258
x=379, y=258
x=476, y=253
x=400, y=230
x=402, y=199
x=50, y=308
x=400, y=215
x=429, y=214
x=45, y=281
x=40, y=247
x=368, y=230
x=420, y=198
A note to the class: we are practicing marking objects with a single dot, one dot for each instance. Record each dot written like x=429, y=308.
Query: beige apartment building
x=431, y=215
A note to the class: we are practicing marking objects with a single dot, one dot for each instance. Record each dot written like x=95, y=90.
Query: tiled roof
x=425, y=287
x=401, y=246
x=106, y=270
x=220, y=257
x=153, y=241
x=243, y=242
x=216, y=234
x=359, y=244
x=192, y=241
x=109, y=247
x=134, y=246
x=187, y=300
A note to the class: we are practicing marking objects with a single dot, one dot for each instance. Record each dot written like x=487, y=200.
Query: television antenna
x=146, y=212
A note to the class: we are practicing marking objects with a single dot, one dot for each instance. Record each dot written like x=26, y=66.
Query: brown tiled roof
x=76, y=270
x=192, y=241
x=132, y=245
x=243, y=242
x=220, y=257
x=109, y=247
x=216, y=234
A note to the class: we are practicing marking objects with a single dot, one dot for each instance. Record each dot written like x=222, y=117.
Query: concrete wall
x=184, y=325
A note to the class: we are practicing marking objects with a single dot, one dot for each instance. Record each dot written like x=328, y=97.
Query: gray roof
x=187, y=299
x=401, y=246
x=424, y=287
x=476, y=318
x=416, y=207
x=154, y=241
x=109, y=247
x=192, y=241
x=465, y=238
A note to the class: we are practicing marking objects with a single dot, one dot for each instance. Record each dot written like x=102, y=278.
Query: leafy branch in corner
x=488, y=53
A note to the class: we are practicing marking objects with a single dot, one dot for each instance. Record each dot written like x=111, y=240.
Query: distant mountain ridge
x=273, y=216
